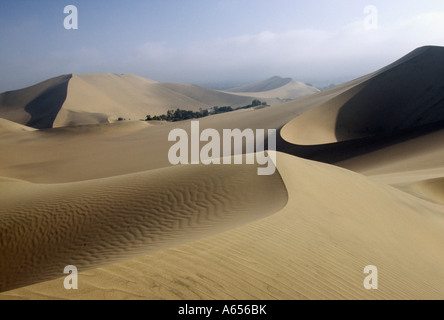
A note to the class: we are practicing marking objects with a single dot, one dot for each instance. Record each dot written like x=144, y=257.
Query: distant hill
x=276, y=88
x=265, y=85
x=71, y=100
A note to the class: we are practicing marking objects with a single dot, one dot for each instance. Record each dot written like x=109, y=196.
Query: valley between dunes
x=349, y=191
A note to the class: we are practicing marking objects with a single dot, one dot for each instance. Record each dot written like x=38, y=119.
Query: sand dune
x=208, y=96
x=265, y=85
x=75, y=154
x=7, y=126
x=415, y=166
x=314, y=248
x=133, y=97
x=404, y=95
x=89, y=224
x=36, y=106
x=276, y=89
x=419, y=153
x=100, y=98
x=432, y=189
x=74, y=100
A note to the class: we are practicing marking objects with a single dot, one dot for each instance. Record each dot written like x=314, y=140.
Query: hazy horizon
x=211, y=43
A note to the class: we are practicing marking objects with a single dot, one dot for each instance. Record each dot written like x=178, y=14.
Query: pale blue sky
x=211, y=42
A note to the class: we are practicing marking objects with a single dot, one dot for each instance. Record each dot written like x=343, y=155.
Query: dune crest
x=36, y=106
x=406, y=94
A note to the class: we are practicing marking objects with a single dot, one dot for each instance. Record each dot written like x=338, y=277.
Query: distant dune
x=99, y=98
x=265, y=85
x=407, y=94
x=280, y=89
x=133, y=97
x=74, y=100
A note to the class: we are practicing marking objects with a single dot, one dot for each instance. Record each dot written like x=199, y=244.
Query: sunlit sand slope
x=335, y=223
x=92, y=223
x=132, y=97
x=7, y=126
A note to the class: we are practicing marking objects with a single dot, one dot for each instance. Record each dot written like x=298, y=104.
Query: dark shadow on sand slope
x=35, y=106
x=340, y=151
x=46, y=106
x=407, y=94
x=400, y=102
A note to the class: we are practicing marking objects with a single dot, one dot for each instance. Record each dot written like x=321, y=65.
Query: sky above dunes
x=212, y=42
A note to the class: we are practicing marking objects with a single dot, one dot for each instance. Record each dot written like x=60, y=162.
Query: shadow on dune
x=403, y=101
x=45, y=107
x=405, y=95
x=340, y=151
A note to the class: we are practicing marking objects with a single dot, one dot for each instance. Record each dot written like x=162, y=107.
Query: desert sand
x=314, y=248
x=105, y=198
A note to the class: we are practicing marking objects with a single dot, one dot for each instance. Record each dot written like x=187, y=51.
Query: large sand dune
x=88, y=224
x=36, y=106
x=407, y=94
x=133, y=97
x=74, y=100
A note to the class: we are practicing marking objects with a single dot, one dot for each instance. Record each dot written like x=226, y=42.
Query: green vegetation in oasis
x=180, y=115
